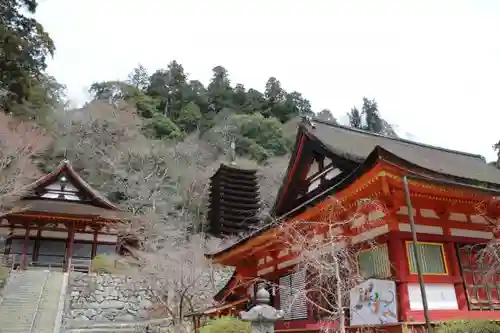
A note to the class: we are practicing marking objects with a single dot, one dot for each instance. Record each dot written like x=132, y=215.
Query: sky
x=433, y=66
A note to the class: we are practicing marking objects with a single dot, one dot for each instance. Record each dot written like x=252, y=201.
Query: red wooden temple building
x=454, y=206
x=61, y=217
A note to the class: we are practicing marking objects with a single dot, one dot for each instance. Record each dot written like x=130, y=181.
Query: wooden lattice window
x=431, y=256
x=291, y=301
x=482, y=286
x=374, y=263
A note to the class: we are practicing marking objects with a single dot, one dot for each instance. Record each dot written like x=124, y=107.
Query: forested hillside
x=150, y=143
x=155, y=120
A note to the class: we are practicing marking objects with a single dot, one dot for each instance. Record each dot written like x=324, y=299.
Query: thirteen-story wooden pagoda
x=454, y=207
x=61, y=218
x=234, y=200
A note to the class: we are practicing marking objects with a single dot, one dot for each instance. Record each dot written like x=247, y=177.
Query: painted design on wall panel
x=373, y=302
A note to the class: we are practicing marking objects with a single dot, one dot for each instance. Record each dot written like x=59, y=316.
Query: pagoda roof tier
x=237, y=220
x=230, y=192
x=253, y=204
x=234, y=200
x=227, y=217
x=230, y=169
x=250, y=198
x=236, y=182
x=237, y=212
x=228, y=228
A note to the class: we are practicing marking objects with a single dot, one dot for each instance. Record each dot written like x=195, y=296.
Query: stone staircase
x=49, y=304
x=31, y=302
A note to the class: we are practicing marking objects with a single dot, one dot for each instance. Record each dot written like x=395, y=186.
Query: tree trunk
x=340, y=305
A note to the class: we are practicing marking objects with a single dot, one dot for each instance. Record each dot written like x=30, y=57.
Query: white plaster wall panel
x=107, y=238
x=378, y=231
x=265, y=271
x=440, y=296
x=359, y=221
x=376, y=215
x=313, y=169
x=5, y=231
x=84, y=237
x=22, y=232
x=422, y=229
x=55, y=234
x=471, y=233
x=429, y=213
x=403, y=210
x=288, y=263
x=460, y=217
x=314, y=185
x=333, y=173
x=479, y=219
x=283, y=252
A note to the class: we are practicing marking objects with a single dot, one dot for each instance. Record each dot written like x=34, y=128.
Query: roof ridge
x=416, y=143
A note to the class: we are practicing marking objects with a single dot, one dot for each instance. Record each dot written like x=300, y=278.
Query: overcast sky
x=432, y=65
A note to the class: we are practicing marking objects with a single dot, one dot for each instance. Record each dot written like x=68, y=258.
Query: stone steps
x=156, y=326
x=49, y=304
x=21, y=310
x=20, y=301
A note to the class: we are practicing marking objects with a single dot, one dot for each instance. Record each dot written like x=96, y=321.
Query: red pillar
x=455, y=272
x=198, y=324
x=397, y=256
x=69, y=252
x=94, y=244
x=25, y=247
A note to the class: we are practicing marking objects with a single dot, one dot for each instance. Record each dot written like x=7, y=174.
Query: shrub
x=4, y=274
x=103, y=263
x=469, y=326
x=226, y=325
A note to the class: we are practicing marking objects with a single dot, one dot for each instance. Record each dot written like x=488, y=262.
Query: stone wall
x=105, y=298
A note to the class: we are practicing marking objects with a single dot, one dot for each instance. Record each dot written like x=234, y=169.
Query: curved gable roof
x=65, y=168
x=357, y=145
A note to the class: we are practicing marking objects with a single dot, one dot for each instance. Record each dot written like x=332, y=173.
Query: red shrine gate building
x=60, y=218
x=453, y=203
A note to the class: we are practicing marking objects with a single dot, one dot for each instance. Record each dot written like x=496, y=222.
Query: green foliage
x=24, y=48
x=103, y=263
x=226, y=325
x=175, y=106
x=161, y=127
x=172, y=105
x=469, y=326
x=189, y=117
x=4, y=274
x=369, y=119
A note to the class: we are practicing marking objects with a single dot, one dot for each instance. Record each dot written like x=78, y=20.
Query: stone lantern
x=262, y=316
